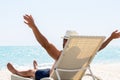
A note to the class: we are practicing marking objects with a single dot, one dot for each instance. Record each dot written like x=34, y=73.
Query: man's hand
x=29, y=21
x=115, y=35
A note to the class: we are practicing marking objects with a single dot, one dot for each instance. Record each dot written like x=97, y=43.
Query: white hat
x=70, y=33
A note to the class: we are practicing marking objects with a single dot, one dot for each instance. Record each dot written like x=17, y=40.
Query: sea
x=21, y=56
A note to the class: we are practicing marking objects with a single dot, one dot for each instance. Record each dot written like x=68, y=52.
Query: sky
x=54, y=17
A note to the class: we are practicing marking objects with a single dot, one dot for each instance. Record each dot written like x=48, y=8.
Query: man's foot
x=35, y=65
x=11, y=68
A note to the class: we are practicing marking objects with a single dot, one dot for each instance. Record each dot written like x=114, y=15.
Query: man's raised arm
x=115, y=35
x=51, y=49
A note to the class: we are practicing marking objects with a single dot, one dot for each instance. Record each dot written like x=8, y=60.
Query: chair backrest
x=76, y=57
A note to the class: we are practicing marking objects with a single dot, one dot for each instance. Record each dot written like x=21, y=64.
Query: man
x=50, y=48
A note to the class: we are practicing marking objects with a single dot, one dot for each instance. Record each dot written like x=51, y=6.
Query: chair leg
x=91, y=74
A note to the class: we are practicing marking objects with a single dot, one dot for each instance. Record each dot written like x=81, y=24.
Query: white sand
x=4, y=75
x=103, y=71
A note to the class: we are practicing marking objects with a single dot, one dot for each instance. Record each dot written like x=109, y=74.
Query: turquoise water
x=109, y=54
x=24, y=55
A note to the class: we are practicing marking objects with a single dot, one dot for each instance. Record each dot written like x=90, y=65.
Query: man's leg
x=27, y=73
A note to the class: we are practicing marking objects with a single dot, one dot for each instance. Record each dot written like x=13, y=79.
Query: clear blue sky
x=54, y=17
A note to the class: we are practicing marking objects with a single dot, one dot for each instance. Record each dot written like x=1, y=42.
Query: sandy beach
x=105, y=71
x=102, y=71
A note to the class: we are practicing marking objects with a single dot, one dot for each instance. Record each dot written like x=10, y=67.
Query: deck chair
x=76, y=58
x=16, y=77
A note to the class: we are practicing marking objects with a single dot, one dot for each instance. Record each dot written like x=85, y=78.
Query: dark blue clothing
x=39, y=74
